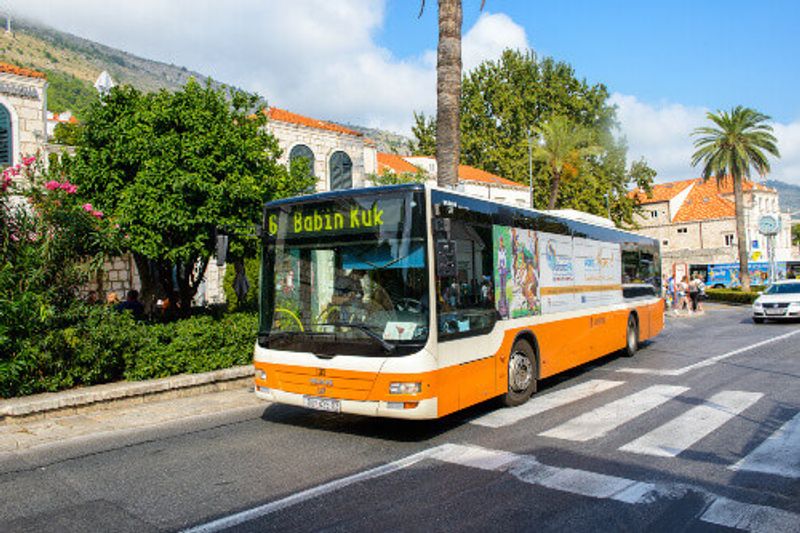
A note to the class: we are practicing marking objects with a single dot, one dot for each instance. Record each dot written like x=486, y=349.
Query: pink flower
x=28, y=161
x=97, y=214
x=52, y=185
x=68, y=187
x=88, y=208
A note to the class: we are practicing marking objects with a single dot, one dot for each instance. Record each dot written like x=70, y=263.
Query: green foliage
x=732, y=296
x=505, y=102
x=424, y=131
x=252, y=266
x=67, y=134
x=95, y=344
x=796, y=234
x=173, y=167
x=393, y=178
x=66, y=92
x=51, y=242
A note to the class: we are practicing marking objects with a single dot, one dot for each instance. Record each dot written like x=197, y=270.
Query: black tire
x=522, y=374
x=758, y=320
x=631, y=337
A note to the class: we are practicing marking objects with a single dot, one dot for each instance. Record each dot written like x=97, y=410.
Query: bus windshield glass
x=346, y=276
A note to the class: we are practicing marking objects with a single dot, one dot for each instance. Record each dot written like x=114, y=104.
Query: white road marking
x=679, y=433
x=545, y=402
x=779, y=454
x=749, y=517
x=314, y=492
x=708, y=362
x=526, y=468
x=598, y=422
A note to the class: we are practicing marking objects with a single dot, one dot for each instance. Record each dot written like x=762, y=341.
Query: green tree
x=172, y=167
x=393, y=178
x=728, y=150
x=564, y=148
x=424, y=131
x=796, y=234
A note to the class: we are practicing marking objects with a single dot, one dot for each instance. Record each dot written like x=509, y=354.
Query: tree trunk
x=448, y=93
x=554, y=190
x=151, y=284
x=741, y=233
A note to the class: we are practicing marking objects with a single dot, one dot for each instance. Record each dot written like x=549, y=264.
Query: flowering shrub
x=50, y=245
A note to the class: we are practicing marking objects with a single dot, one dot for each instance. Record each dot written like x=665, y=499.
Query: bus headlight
x=405, y=387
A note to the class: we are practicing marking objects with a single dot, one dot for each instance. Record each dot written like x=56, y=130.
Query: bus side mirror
x=222, y=249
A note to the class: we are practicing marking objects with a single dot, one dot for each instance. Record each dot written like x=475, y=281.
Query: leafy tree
x=424, y=130
x=66, y=92
x=564, y=148
x=393, y=178
x=172, y=167
x=737, y=144
x=796, y=234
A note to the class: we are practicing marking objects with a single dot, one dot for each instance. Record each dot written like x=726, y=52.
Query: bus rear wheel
x=521, y=374
x=631, y=337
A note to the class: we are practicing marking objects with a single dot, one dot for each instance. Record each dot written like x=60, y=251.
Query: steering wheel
x=408, y=304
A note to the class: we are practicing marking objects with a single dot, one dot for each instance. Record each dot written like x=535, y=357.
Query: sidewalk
x=42, y=419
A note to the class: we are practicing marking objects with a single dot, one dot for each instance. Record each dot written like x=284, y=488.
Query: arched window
x=6, y=150
x=301, y=150
x=341, y=171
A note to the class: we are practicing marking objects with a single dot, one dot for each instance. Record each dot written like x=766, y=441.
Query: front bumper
x=426, y=408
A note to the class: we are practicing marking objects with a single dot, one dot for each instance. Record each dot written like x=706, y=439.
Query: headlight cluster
x=403, y=387
x=757, y=304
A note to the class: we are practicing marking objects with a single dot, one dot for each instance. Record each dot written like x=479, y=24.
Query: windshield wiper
x=364, y=329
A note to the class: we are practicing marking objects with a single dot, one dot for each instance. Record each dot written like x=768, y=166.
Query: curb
x=108, y=395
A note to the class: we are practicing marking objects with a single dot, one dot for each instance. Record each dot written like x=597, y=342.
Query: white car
x=781, y=300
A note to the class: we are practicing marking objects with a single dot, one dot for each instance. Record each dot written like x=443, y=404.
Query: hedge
x=104, y=346
x=732, y=296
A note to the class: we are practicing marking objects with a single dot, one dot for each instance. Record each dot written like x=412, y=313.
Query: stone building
x=695, y=221
x=23, y=115
x=339, y=157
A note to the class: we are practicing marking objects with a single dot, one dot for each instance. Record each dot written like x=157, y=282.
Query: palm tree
x=736, y=144
x=448, y=93
x=563, y=148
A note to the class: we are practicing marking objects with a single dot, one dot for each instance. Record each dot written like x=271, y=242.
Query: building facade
x=695, y=222
x=23, y=113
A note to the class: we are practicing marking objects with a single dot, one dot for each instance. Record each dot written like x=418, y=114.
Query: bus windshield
x=346, y=276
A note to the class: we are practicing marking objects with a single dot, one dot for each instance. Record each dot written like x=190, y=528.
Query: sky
x=372, y=62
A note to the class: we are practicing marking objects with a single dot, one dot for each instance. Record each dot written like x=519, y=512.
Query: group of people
x=687, y=294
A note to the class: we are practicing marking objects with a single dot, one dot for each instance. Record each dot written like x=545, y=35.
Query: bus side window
x=464, y=273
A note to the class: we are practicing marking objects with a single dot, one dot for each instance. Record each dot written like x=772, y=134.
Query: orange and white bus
x=414, y=302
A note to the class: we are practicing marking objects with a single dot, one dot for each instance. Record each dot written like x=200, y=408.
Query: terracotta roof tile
x=711, y=200
x=281, y=115
x=19, y=71
x=468, y=173
x=394, y=163
x=662, y=192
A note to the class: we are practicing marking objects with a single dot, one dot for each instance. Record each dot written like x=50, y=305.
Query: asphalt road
x=700, y=431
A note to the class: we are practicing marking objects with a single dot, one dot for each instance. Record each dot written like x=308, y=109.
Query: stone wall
x=119, y=275
x=28, y=115
x=324, y=143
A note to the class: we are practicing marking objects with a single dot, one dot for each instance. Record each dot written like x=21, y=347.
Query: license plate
x=774, y=311
x=324, y=404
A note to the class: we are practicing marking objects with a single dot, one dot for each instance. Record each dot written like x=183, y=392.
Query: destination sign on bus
x=319, y=221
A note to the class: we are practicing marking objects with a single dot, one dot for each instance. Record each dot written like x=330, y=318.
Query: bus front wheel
x=631, y=337
x=521, y=374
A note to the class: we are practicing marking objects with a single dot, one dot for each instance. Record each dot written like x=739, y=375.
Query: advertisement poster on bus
x=557, y=273
x=516, y=273
x=598, y=272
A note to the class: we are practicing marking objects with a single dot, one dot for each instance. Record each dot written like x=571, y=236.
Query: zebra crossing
x=776, y=455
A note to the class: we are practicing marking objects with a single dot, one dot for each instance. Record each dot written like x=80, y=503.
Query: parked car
x=781, y=300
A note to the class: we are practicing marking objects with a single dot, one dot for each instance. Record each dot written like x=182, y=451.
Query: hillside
x=789, y=196
x=72, y=65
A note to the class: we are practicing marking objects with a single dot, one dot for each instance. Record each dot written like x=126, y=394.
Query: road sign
x=769, y=225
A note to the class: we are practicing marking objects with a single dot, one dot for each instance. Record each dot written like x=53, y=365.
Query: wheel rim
x=631, y=335
x=520, y=372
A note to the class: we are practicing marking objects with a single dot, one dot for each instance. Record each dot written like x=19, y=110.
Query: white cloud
x=314, y=57
x=491, y=34
x=662, y=135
